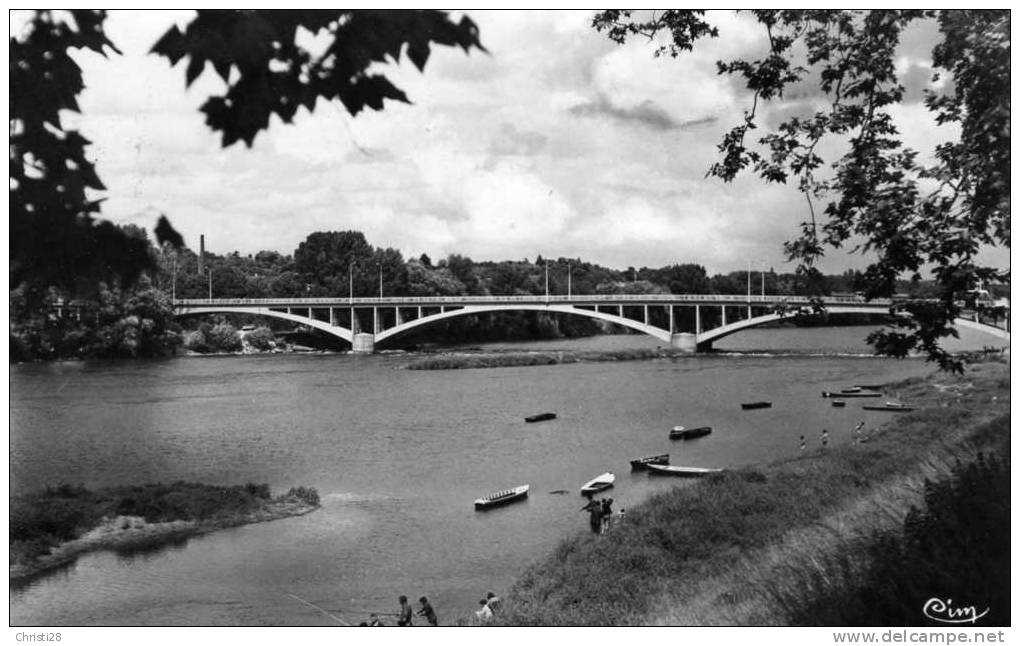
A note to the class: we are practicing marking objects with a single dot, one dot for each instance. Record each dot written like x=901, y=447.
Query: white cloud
x=487, y=161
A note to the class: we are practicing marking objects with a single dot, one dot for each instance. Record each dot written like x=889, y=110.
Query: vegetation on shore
x=767, y=545
x=52, y=527
x=506, y=359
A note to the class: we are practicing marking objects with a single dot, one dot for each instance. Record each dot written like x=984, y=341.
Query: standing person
x=594, y=509
x=803, y=444
x=857, y=432
x=607, y=514
x=404, y=617
x=427, y=612
x=825, y=438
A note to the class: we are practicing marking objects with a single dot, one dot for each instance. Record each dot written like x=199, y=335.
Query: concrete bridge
x=687, y=322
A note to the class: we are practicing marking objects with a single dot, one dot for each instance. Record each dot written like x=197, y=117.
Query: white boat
x=686, y=472
x=599, y=483
x=502, y=497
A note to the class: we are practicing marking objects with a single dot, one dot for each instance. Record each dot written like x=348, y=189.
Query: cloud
x=646, y=113
x=559, y=142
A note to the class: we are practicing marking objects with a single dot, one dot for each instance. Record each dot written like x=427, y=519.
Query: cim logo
x=943, y=611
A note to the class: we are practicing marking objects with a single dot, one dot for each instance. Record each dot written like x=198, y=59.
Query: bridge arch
x=714, y=334
x=334, y=330
x=651, y=330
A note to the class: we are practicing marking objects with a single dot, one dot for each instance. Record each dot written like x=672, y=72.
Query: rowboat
x=541, y=417
x=681, y=433
x=893, y=406
x=599, y=483
x=502, y=497
x=838, y=403
x=750, y=405
x=683, y=472
x=826, y=393
x=639, y=464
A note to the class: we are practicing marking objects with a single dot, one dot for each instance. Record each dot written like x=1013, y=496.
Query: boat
x=838, y=403
x=541, y=417
x=639, y=464
x=681, y=433
x=502, y=497
x=750, y=405
x=599, y=483
x=893, y=406
x=844, y=395
x=683, y=472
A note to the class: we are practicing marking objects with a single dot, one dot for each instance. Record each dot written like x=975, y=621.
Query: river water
x=398, y=457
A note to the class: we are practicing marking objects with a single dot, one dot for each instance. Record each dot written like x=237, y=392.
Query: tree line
x=137, y=321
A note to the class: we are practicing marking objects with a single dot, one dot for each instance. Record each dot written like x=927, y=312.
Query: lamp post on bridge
x=568, y=279
x=547, y=279
x=380, y=279
x=209, y=269
x=350, y=288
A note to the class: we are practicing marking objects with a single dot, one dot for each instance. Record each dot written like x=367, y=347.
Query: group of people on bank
x=405, y=616
x=600, y=514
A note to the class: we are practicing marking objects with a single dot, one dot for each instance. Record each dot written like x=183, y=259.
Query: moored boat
x=844, y=395
x=541, y=417
x=750, y=405
x=681, y=433
x=502, y=497
x=599, y=483
x=683, y=472
x=892, y=406
x=838, y=403
x=640, y=463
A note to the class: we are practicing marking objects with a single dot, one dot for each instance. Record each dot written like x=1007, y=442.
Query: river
x=398, y=456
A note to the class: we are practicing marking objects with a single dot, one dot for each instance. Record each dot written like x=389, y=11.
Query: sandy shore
x=132, y=532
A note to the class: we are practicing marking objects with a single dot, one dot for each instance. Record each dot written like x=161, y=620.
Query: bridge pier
x=684, y=342
x=364, y=343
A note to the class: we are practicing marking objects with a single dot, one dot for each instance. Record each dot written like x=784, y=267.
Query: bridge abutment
x=363, y=343
x=684, y=342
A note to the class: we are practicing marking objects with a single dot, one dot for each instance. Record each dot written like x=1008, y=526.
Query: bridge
x=686, y=322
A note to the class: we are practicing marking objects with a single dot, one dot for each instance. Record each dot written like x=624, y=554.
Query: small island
x=52, y=527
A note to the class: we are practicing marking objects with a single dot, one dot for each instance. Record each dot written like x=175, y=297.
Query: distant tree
x=910, y=215
x=327, y=255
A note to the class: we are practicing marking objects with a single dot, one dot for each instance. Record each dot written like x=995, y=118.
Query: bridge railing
x=735, y=299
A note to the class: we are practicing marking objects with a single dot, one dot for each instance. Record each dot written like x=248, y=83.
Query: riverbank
x=734, y=549
x=52, y=528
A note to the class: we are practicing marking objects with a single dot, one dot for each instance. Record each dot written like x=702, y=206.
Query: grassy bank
x=505, y=359
x=743, y=547
x=52, y=527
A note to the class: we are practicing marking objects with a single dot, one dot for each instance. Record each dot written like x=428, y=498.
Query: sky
x=557, y=142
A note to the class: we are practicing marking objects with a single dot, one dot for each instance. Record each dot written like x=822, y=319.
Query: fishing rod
x=323, y=611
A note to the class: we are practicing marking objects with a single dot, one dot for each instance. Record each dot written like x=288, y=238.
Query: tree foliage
x=267, y=71
x=908, y=211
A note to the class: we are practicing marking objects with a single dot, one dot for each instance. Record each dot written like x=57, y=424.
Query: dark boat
x=640, y=463
x=683, y=472
x=838, y=403
x=863, y=393
x=750, y=405
x=502, y=497
x=891, y=406
x=541, y=417
x=681, y=433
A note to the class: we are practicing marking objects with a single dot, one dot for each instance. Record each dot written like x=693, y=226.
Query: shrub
x=261, y=338
x=306, y=494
